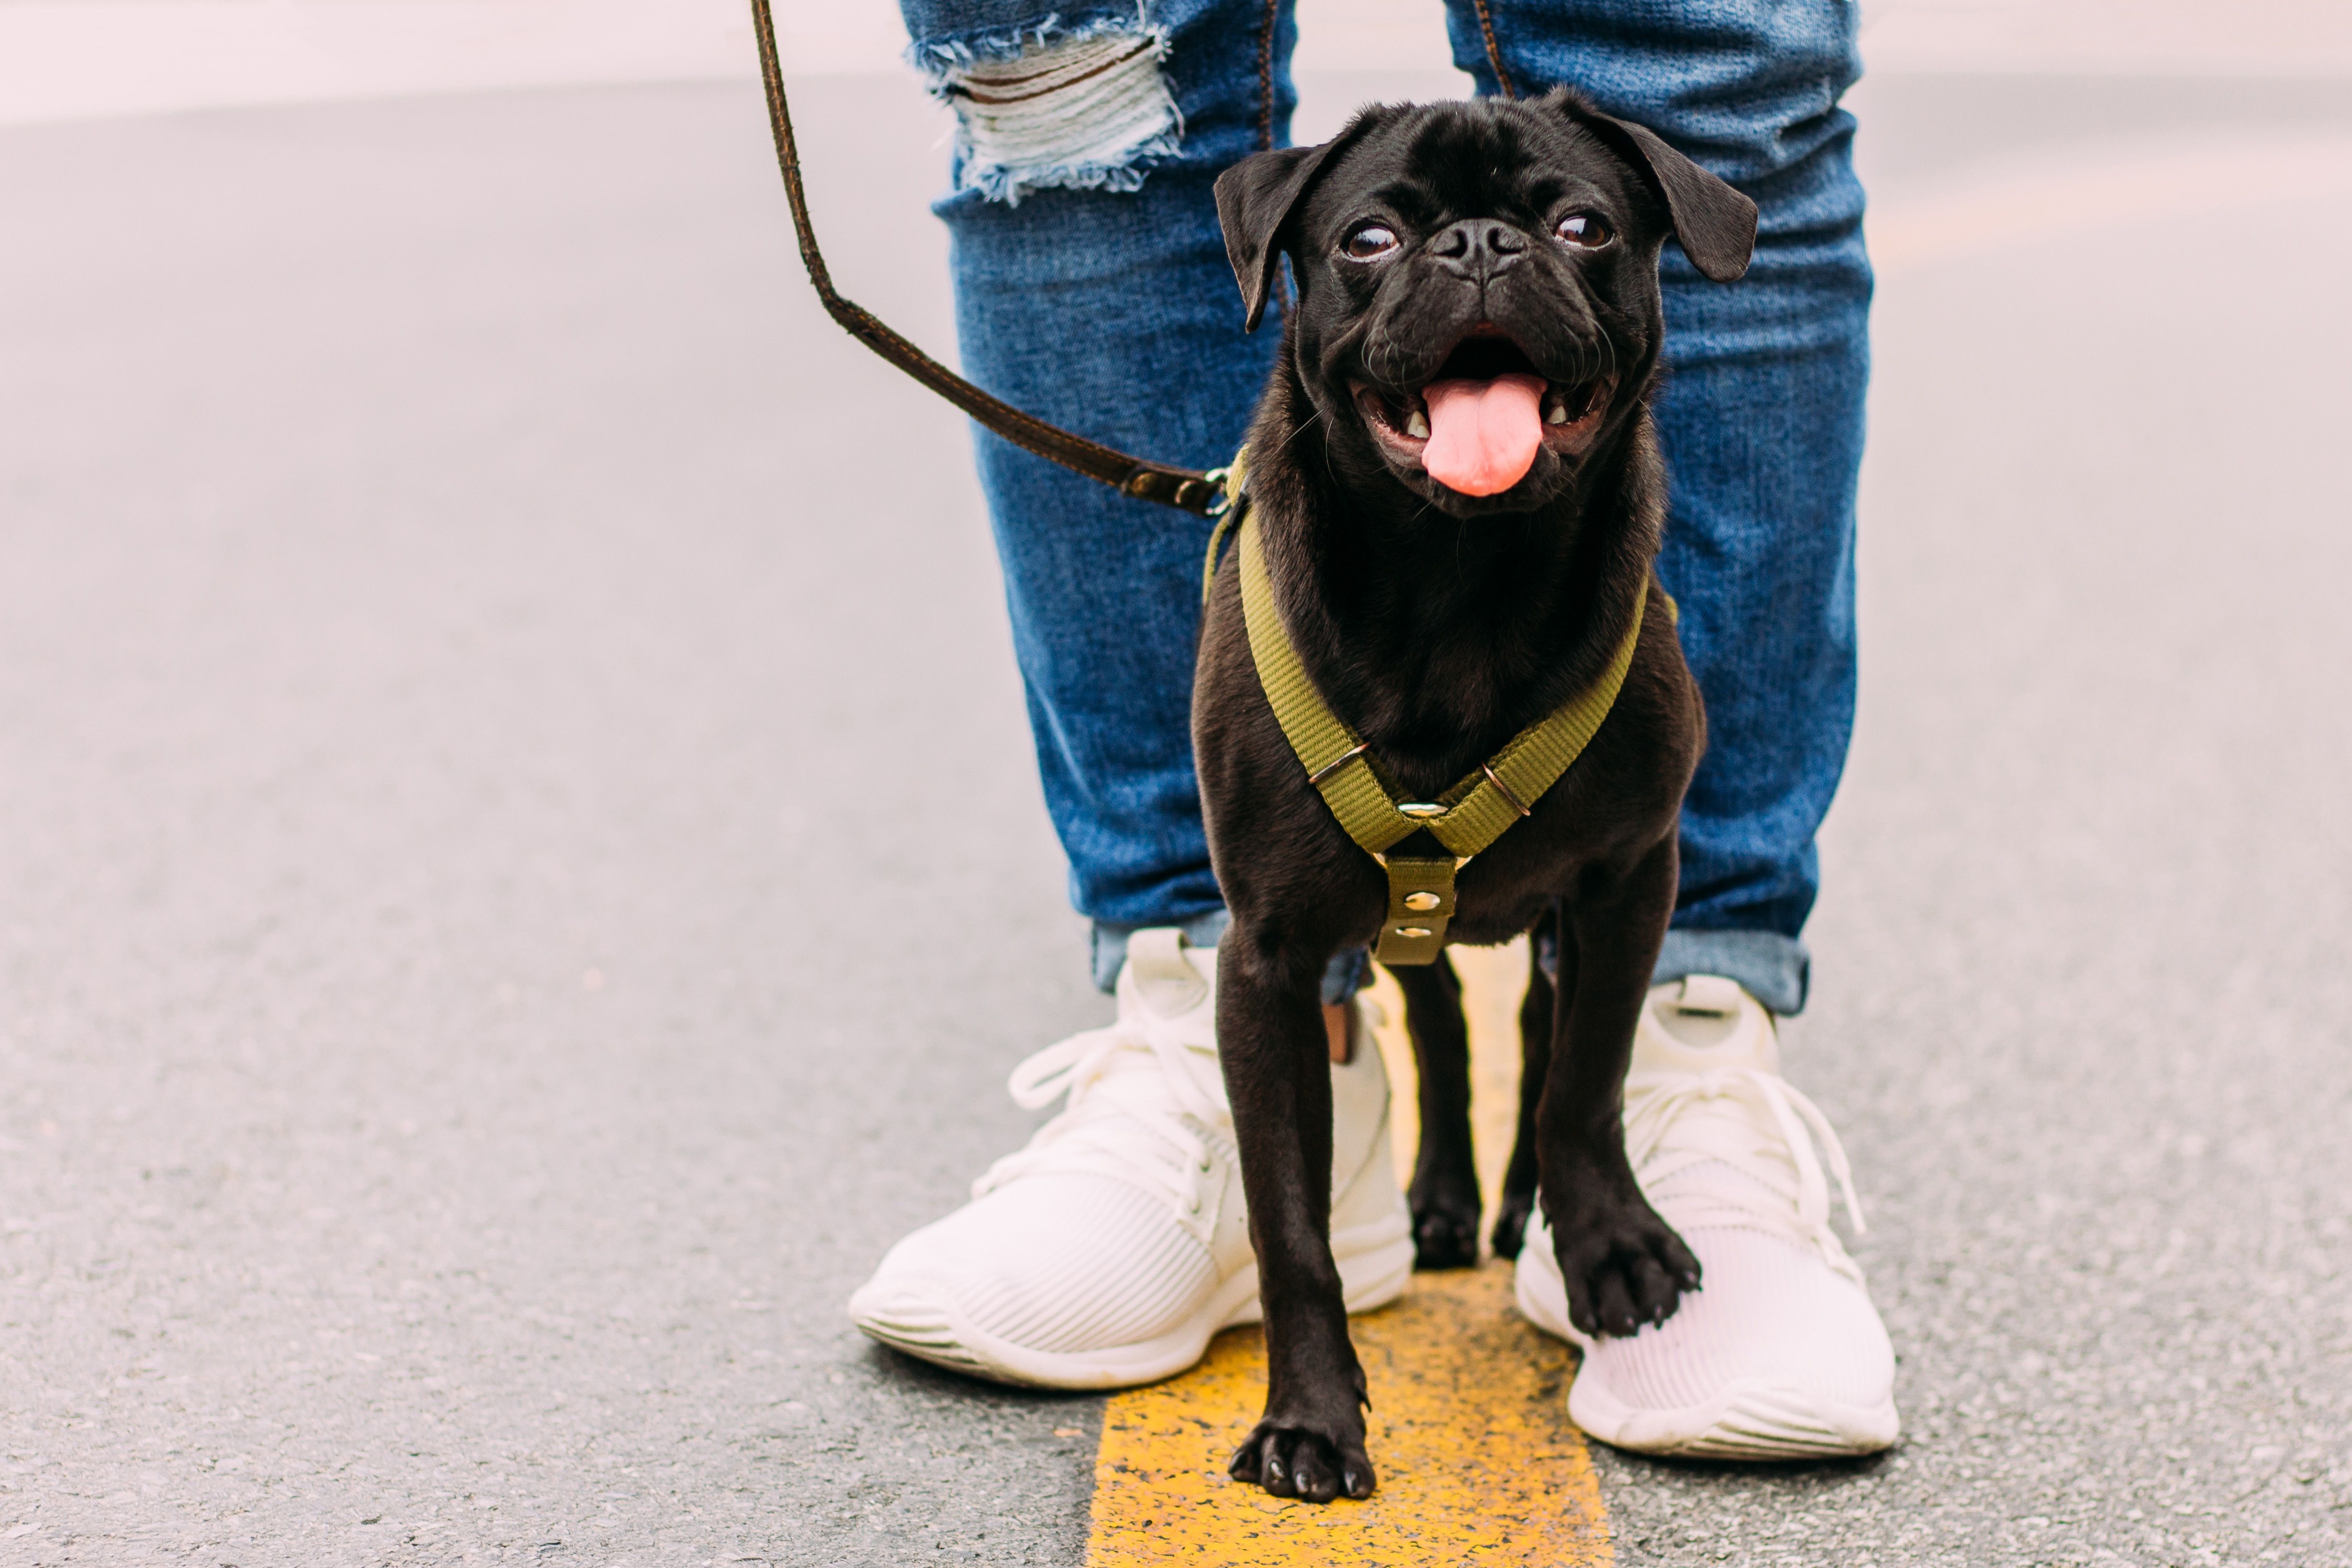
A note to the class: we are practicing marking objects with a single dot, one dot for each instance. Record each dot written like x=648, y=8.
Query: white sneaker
x=1109, y=1251
x=1780, y=1355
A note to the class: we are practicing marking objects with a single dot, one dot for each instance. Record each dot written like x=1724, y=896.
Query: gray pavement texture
x=522, y=872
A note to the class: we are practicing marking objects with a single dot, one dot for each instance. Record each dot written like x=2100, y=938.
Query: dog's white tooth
x=1556, y=415
x=1416, y=424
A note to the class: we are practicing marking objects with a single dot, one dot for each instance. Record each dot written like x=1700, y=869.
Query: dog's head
x=1477, y=285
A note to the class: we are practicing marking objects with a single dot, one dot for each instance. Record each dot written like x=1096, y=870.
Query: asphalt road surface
x=522, y=872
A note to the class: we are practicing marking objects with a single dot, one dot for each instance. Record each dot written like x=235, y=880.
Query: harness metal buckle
x=1336, y=763
x=1502, y=789
x=1224, y=501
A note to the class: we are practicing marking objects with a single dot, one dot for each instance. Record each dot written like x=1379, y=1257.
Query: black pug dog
x=1458, y=499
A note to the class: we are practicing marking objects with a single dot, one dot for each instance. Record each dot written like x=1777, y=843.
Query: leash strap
x=1466, y=818
x=1186, y=489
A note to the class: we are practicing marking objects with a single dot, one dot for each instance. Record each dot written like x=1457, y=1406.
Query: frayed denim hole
x=1081, y=107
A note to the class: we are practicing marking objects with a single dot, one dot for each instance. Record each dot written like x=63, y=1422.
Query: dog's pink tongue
x=1482, y=435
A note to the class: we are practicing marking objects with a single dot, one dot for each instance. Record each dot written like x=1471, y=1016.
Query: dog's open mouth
x=1476, y=425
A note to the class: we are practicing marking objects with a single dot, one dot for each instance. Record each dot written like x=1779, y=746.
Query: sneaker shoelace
x=1136, y=1113
x=1705, y=1142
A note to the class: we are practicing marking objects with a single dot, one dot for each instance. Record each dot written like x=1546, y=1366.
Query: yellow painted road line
x=1478, y=1462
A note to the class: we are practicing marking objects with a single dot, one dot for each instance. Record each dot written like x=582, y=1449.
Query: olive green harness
x=1466, y=818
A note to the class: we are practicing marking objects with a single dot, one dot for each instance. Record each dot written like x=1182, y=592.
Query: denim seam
x=1265, y=75
x=1495, y=50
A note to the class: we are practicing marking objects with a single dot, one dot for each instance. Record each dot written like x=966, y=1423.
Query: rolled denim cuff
x=1777, y=970
x=1350, y=970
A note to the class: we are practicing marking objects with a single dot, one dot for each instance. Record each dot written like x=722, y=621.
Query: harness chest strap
x=1466, y=818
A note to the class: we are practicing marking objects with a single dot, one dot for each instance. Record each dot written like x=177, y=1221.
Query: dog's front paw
x=1511, y=1222
x=1301, y=1461
x=1445, y=1227
x=1624, y=1267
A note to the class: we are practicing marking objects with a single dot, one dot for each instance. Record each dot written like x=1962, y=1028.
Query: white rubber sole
x=1375, y=1262
x=1749, y=1418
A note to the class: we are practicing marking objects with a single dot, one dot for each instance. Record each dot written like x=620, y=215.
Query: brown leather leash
x=1186, y=489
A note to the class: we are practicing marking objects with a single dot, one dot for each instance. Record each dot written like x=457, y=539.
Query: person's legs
x=1760, y=419
x=1092, y=291
x=1781, y=1355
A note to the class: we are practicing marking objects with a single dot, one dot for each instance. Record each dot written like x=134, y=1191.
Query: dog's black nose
x=1477, y=247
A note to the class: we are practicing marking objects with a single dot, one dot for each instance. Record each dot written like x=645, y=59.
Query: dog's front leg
x=1444, y=1194
x=1536, y=1025
x=1277, y=1069
x=1624, y=1267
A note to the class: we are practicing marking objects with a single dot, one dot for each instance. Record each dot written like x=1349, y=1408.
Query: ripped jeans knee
x=1045, y=105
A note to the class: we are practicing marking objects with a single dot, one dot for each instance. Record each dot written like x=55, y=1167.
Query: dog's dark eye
x=1589, y=231
x=1369, y=241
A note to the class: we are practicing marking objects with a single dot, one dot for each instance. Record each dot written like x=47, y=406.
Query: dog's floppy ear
x=1256, y=198
x=1715, y=224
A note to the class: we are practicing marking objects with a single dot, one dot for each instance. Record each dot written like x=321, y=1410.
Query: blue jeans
x=1092, y=288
